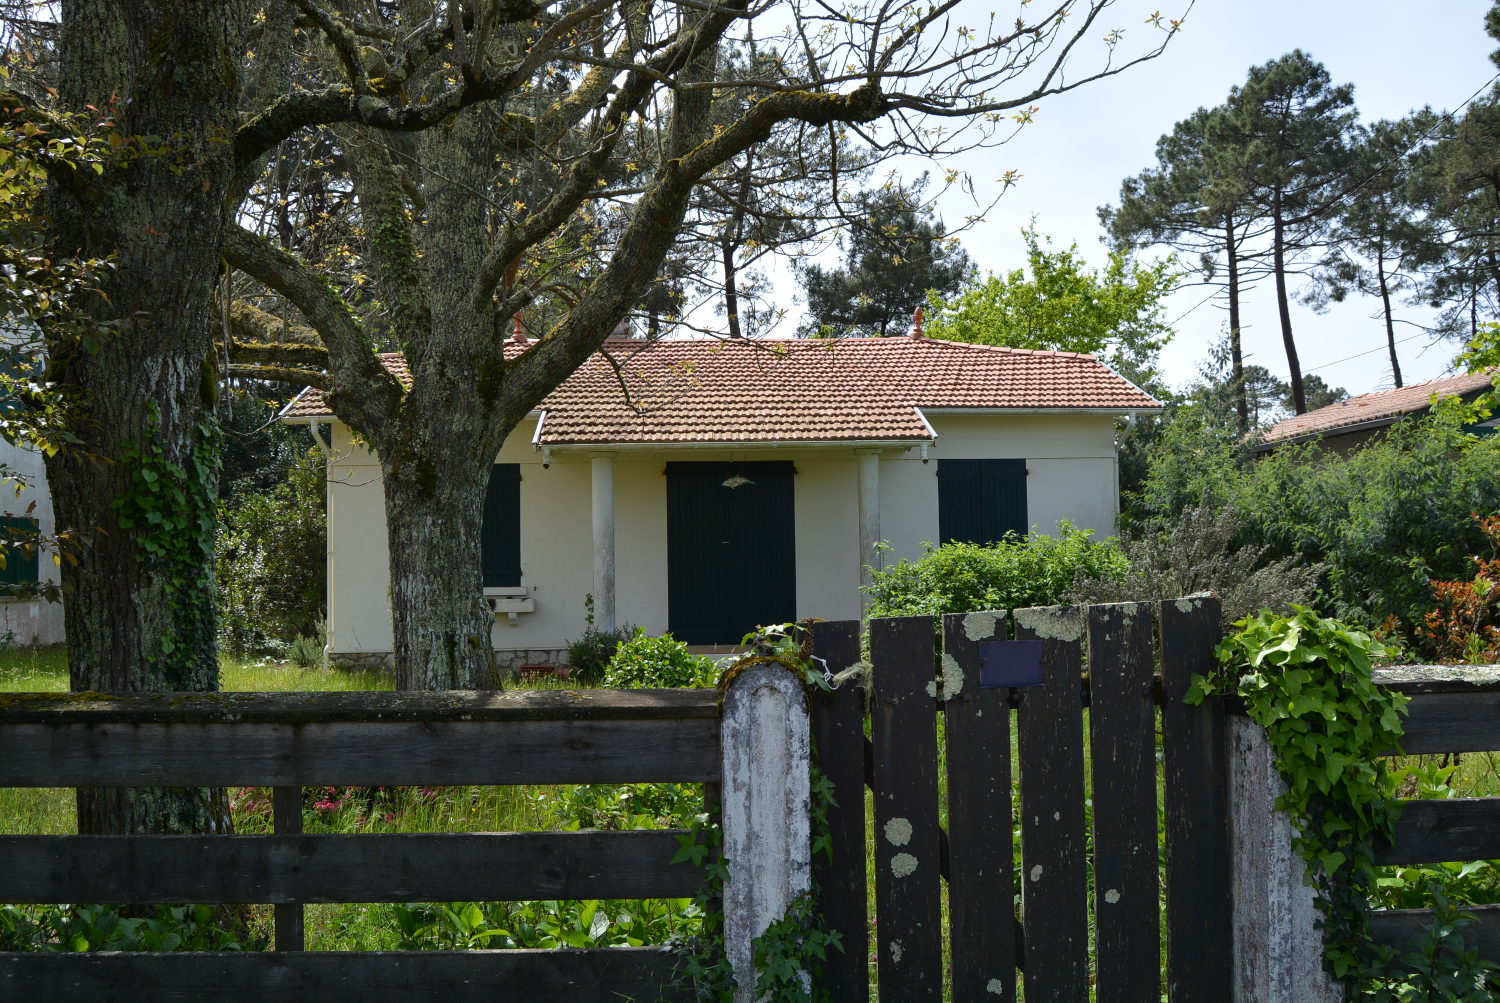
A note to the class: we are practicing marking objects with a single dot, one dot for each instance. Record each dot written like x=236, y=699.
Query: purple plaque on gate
x=1009, y=663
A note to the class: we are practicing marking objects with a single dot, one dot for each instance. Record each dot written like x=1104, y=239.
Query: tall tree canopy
x=492, y=158
x=1290, y=126
x=895, y=251
x=1381, y=237
x=1254, y=182
x=1182, y=204
x=1058, y=302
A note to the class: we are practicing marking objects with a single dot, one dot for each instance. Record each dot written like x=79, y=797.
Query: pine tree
x=895, y=251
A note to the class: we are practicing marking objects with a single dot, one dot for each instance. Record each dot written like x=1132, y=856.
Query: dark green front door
x=731, y=549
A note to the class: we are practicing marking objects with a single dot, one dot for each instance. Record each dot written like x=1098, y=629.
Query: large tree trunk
x=437, y=463
x=1283, y=309
x=434, y=517
x=140, y=483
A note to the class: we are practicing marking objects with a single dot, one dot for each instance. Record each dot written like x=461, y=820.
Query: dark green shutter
x=21, y=568
x=500, y=542
x=979, y=501
x=16, y=367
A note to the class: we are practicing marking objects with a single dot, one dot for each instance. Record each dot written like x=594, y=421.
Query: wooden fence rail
x=1452, y=710
x=366, y=739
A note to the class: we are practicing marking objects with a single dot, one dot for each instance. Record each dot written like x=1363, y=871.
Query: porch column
x=869, y=515
x=604, y=539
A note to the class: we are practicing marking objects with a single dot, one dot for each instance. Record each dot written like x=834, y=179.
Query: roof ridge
x=1055, y=352
x=1410, y=386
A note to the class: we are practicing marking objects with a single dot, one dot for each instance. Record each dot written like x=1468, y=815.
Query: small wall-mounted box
x=509, y=601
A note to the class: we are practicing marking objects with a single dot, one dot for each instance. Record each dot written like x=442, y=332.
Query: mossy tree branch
x=362, y=392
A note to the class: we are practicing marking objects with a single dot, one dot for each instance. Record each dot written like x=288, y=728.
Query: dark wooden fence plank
x=360, y=706
x=1444, y=829
x=904, y=739
x=345, y=868
x=1199, y=940
x=1054, y=879
x=1452, y=722
x=1122, y=729
x=358, y=753
x=286, y=820
x=1394, y=928
x=981, y=923
x=839, y=735
x=640, y=974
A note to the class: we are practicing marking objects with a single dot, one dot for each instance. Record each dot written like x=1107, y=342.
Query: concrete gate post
x=1278, y=949
x=766, y=808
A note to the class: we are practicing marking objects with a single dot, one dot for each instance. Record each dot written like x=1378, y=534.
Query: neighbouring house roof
x=852, y=389
x=1383, y=407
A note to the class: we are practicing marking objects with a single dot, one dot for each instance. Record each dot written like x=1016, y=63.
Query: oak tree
x=499, y=157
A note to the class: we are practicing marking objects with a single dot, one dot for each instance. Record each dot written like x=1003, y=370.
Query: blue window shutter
x=979, y=501
x=500, y=541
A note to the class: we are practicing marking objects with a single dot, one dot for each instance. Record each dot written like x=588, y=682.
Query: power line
x=1358, y=355
x=1175, y=320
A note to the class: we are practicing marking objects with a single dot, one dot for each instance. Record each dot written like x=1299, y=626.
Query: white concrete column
x=604, y=539
x=1278, y=948
x=869, y=515
x=767, y=817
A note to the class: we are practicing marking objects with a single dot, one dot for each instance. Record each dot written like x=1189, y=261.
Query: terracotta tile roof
x=1379, y=405
x=852, y=389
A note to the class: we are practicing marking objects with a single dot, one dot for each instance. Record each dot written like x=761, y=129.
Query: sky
x=1081, y=145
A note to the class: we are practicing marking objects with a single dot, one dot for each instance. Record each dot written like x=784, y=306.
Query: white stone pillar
x=604, y=539
x=1278, y=948
x=869, y=515
x=766, y=809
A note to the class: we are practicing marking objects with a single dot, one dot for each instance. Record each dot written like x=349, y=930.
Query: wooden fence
x=1095, y=806
x=1453, y=710
x=289, y=741
x=979, y=688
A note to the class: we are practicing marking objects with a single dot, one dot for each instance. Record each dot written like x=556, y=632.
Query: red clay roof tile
x=799, y=390
x=1373, y=406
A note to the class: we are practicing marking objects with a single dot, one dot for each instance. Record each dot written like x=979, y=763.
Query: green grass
x=33, y=670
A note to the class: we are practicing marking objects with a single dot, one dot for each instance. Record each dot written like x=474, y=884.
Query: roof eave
x=1119, y=411
x=671, y=444
x=1266, y=445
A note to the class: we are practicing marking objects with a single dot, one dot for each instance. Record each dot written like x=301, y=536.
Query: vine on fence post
x=1307, y=681
x=789, y=953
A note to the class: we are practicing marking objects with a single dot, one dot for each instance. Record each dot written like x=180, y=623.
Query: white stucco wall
x=1071, y=475
x=32, y=621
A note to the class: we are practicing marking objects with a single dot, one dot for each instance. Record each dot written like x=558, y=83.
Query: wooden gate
x=1110, y=766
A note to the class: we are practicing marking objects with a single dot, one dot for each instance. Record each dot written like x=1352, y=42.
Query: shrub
x=590, y=654
x=964, y=577
x=1465, y=626
x=306, y=651
x=64, y=928
x=646, y=662
x=622, y=806
x=1197, y=553
x=1387, y=519
x=270, y=563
